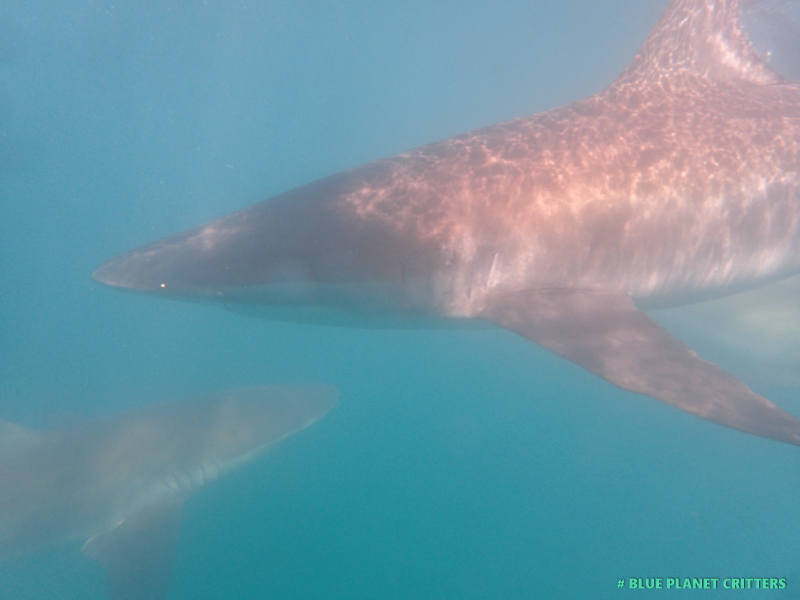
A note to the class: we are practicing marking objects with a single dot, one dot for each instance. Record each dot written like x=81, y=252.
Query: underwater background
x=457, y=464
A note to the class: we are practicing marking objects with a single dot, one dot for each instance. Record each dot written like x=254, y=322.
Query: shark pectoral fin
x=137, y=554
x=605, y=333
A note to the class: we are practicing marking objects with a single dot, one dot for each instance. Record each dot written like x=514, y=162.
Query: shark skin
x=118, y=483
x=676, y=184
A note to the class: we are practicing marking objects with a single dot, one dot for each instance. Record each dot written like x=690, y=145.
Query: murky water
x=457, y=464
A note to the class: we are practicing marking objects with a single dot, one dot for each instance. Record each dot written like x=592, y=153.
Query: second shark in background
x=118, y=482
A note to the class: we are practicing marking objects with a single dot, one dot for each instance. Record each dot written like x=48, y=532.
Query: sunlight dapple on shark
x=677, y=183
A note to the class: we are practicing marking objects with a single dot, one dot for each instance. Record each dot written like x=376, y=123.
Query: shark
x=118, y=483
x=676, y=184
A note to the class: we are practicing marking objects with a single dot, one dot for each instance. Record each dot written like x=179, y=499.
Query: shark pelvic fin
x=604, y=332
x=137, y=554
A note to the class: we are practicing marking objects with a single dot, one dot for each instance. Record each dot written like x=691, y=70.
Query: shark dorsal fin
x=11, y=435
x=698, y=39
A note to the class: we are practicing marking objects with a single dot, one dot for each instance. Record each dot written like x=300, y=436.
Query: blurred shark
x=676, y=184
x=119, y=482
x=755, y=334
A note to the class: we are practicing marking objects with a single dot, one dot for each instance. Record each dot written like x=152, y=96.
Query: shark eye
x=773, y=29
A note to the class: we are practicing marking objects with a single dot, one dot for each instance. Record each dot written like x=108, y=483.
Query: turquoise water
x=457, y=464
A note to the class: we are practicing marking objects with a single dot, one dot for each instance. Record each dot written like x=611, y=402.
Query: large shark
x=118, y=483
x=678, y=183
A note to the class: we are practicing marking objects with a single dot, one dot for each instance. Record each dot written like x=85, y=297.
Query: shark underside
x=118, y=483
x=676, y=184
